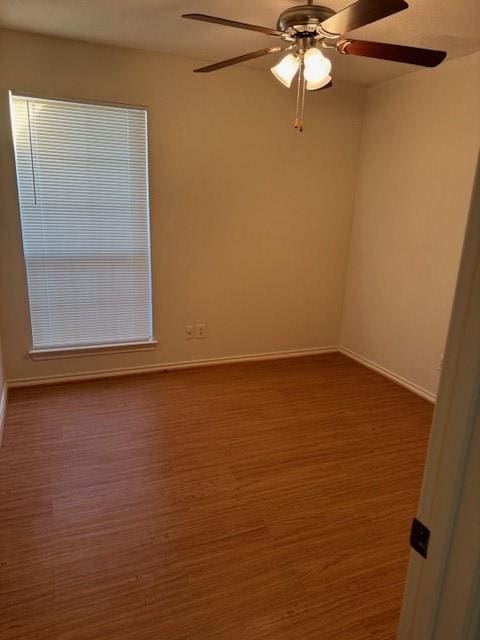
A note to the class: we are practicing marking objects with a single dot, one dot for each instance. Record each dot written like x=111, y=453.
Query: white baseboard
x=187, y=364
x=3, y=408
x=208, y=362
x=411, y=386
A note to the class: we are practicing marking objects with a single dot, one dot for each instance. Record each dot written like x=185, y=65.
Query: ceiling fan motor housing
x=304, y=20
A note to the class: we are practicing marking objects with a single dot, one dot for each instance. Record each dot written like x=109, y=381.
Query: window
x=83, y=191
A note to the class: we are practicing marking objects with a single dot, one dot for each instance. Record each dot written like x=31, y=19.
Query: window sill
x=75, y=352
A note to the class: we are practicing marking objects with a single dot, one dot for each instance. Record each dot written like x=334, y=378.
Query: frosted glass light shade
x=286, y=69
x=314, y=86
x=317, y=66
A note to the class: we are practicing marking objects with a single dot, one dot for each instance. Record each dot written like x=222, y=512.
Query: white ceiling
x=157, y=25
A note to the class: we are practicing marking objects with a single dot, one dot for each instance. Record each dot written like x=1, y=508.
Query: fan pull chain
x=296, y=124
x=300, y=99
x=302, y=108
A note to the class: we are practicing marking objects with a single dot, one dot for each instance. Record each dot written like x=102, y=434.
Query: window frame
x=48, y=353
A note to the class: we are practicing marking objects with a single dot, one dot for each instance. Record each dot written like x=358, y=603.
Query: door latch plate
x=419, y=537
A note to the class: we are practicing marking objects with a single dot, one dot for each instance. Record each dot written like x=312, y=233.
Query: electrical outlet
x=190, y=332
x=440, y=364
x=200, y=331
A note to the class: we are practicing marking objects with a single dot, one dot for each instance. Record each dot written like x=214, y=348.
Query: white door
x=442, y=593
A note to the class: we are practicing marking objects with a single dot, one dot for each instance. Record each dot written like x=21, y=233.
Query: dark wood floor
x=265, y=501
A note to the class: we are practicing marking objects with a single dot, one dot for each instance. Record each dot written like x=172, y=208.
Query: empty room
x=239, y=311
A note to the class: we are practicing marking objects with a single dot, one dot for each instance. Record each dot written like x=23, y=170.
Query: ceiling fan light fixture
x=286, y=69
x=317, y=66
x=314, y=86
x=308, y=25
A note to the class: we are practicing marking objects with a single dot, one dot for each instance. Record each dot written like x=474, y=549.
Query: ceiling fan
x=305, y=27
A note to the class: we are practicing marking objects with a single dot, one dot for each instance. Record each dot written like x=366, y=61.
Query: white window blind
x=83, y=191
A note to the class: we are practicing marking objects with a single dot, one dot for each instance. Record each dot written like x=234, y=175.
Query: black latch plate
x=419, y=537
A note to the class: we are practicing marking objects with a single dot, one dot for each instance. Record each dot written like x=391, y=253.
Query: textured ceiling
x=157, y=25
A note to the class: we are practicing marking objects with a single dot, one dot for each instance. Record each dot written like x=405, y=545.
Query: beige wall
x=250, y=220
x=420, y=140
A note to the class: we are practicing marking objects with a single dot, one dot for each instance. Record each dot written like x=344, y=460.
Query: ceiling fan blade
x=232, y=23
x=394, y=52
x=230, y=61
x=361, y=13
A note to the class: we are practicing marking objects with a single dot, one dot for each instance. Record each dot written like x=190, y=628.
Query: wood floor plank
x=259, y=501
